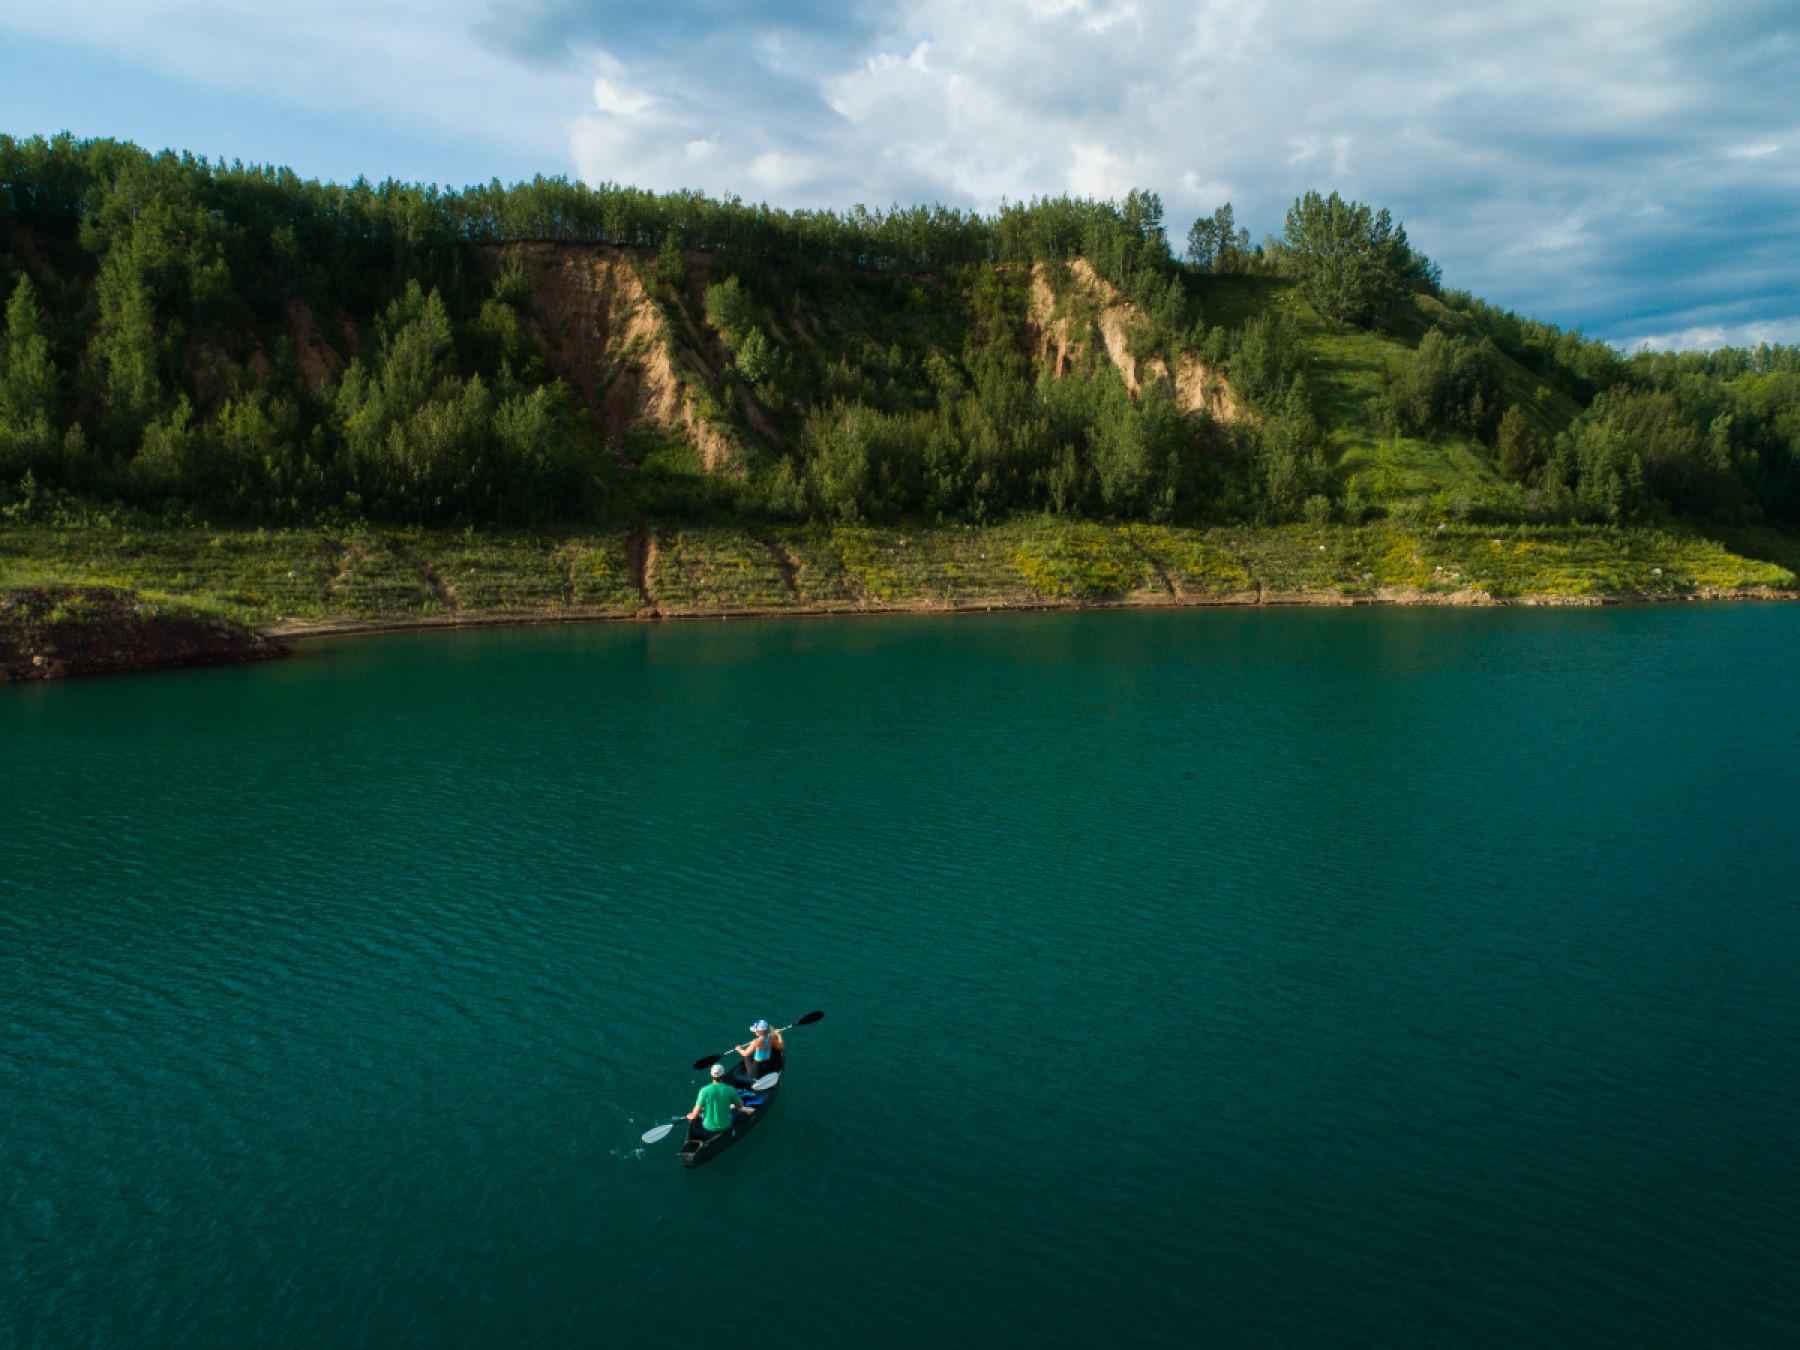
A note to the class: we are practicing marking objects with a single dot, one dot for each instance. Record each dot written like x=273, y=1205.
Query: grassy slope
x=1346, y=372
x=274, y=578
x=315, y=576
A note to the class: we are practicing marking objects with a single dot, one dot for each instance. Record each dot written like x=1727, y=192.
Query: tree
x=1449, y=384
x=1520, y=446
x=1353, y=263
x=1143, y=216
x=1264, y=358
x=125, y=346
x=28, y=381
x=1217, y=244
x=671, y=261
x=1686, y=467
x=1290, y=458
x=730, y=309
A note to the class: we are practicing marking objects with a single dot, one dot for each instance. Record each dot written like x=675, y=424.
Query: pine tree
x=29, y=385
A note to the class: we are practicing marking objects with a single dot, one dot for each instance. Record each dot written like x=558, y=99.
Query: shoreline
x=304, y=630
x=177, y=643
x=110, y=595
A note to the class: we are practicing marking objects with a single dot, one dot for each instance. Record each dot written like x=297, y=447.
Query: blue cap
x=760, y=1026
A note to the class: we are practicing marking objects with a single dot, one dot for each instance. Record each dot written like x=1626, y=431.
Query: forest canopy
x=195, y=337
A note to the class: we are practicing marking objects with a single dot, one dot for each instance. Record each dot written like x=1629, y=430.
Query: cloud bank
x=1631, y=168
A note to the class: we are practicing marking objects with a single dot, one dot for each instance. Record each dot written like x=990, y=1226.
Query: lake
x=1375, y=977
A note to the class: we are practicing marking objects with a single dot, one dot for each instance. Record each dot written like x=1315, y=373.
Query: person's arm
x=775, y=1036
x=744, y=1050
x=694, y=1114
x=747, y=1110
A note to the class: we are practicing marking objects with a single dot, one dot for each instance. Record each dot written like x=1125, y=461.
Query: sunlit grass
x=717, y=569
x=266, y=577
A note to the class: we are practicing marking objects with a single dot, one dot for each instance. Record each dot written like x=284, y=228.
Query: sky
x=1628, y=167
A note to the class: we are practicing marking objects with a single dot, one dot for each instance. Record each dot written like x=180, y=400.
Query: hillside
x=196, y=351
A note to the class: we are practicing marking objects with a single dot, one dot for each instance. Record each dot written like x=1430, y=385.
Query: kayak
x=695, y=1151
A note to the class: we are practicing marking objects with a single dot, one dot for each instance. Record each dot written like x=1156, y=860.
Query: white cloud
x=774, y=172
x=1717, y=335
x=1097, y=172
x=1099, y=23
x=1623, y=166
x=617, y=100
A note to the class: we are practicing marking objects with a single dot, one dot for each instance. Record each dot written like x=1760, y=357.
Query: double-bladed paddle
x=763, y=1084
x=806, y=1021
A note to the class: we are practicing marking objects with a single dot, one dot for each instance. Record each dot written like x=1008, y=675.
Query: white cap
x=718, y=1071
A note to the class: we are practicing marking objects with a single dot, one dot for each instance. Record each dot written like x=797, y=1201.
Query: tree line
x=150, y=299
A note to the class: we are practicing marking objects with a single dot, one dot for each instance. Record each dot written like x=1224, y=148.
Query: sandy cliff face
x=612, y=344
x=1195, y=386
x=635, y=362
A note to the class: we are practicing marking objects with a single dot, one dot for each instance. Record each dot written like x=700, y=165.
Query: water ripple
x=1323, y=979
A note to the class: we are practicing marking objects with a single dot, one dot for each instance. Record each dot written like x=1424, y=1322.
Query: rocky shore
x=52, y=633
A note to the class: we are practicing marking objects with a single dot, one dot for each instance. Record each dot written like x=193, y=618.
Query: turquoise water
x=1369, y=978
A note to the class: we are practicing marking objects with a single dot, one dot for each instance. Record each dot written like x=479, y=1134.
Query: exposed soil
x=51, y=634
x=786, y=564
x=640, y=564
x=1195, y=386
x=609, y=339
x=441, y=590
x=318, y=360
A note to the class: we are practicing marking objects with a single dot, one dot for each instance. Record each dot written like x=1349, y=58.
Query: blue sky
x=1629, y=168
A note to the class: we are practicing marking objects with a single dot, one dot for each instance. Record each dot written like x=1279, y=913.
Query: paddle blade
x=809, y=1019
x=651, y=1136
x=708, y=1062
x=767, y=1081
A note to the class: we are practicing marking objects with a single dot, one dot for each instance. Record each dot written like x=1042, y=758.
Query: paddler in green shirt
x=713, y=1108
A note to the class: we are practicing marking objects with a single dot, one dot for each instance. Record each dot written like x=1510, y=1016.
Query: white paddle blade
x=651, y=1136
x=767, y=1081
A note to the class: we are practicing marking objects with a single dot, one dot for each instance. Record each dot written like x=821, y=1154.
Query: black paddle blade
x=708, y=1062
x=809, y=1019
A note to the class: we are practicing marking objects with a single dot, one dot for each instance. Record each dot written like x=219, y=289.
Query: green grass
x=263, y=577
x=716, y=569
x=258, y=576
x=1346, y=371
x=1551, y=562
x=1230, y=300
x=819, y=572
x=1197, y=562
x=1081, y=561
x=490, y=572
x=599, y=573
x=954, y=565
x=1764, y=544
